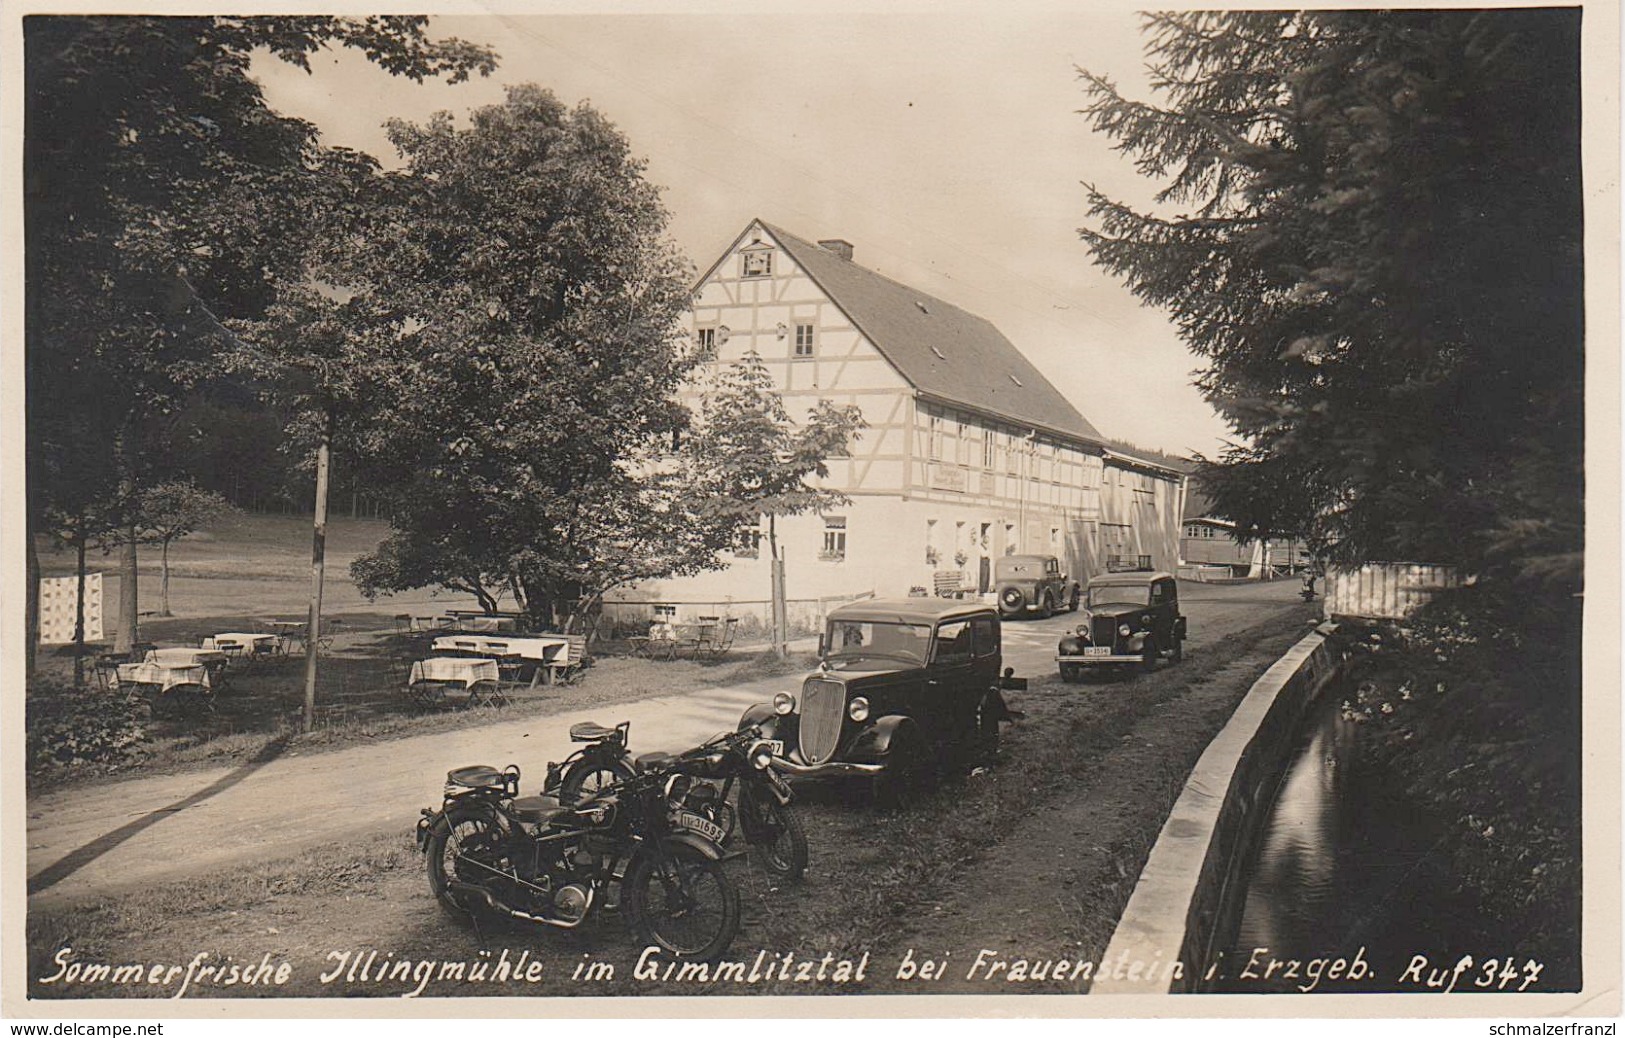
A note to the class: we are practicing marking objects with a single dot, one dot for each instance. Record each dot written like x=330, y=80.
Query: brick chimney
x=839, y=246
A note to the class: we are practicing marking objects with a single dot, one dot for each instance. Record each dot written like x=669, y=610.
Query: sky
x=946, y=145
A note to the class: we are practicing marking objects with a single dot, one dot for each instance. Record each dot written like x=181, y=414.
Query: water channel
x=1341, y=869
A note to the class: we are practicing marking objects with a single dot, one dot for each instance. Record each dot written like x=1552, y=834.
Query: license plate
x=704, y=826
x=775, y=746
x=1097, y=650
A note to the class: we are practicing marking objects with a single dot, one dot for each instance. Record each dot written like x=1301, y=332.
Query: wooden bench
x=949, y=583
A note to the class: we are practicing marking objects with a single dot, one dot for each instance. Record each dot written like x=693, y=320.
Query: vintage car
x=904, y=689
x=1127, y=618
x=1032, y=585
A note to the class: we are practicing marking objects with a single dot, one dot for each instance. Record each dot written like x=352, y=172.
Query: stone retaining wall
x=1185, y=902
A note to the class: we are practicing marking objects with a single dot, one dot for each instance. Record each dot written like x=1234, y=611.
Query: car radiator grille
x=823, y=704
x=1104, y=631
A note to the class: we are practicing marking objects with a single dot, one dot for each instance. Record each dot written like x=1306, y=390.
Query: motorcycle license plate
x=704, y=826
x=1097, y=650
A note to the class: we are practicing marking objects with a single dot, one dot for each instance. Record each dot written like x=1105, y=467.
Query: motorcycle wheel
x=469, y=836
x=588, y=775
x=686, y=905
x=776, y=837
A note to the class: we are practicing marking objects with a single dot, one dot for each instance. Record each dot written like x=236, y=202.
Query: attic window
x=921, y=305
x=1016, y=380
x=938, y=353
x=756, y=260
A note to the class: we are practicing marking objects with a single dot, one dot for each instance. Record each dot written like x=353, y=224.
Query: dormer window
x=756, y=260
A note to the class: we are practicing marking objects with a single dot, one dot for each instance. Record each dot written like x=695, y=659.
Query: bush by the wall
x=88, y=725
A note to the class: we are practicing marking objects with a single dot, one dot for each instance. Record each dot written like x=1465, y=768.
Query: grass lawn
x=254, y=568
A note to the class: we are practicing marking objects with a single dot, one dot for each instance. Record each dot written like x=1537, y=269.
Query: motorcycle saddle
x=476, y=776
x=587, y=731
x=651, y=761
x=540, y=810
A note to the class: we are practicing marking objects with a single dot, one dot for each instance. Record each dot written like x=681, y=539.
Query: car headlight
x=1125, y=630
x=784, y=703
x=858, y=709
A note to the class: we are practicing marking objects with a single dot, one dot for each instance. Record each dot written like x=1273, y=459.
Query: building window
x=934, y=441
x=757, y=262
x=705, y=341
x=834, y=538
x=747, y=542
x=987, y=448
x=804, y=340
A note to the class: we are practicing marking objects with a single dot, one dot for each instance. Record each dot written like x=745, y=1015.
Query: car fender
x=774, y=725
x=873, y=743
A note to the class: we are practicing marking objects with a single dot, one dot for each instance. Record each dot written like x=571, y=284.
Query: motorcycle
x=536, y=859
x=771, y=828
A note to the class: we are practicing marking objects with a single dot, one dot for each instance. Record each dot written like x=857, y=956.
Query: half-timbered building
x=969, y=452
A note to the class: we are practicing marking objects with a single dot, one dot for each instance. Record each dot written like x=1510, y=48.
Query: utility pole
x=318, y=554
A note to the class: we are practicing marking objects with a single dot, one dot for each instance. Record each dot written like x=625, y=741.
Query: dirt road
x=97, y=841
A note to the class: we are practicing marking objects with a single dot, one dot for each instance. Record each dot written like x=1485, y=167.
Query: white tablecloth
x=164, y=676
x=185, y=656
x=541, y=648
x=251, y=642
x=454, y=668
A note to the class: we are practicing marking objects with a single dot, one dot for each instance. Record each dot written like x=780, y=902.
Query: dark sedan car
x=1128, y=618
x=903, y=688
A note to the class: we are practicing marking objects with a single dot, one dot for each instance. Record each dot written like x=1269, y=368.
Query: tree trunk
x=776, y=569
x=31, y=599
x=163, y=584
x=128, y=587
x=318, y=561
x=79, y=606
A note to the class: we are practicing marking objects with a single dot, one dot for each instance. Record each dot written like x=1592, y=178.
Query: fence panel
x=1385, y=590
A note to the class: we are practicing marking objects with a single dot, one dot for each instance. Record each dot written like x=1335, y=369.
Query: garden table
x=541, y=650
x=239, y=644
x=432, y=678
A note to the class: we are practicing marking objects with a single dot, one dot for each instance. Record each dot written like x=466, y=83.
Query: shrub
x=69, y=726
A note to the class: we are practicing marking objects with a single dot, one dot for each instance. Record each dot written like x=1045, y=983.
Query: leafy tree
x=169, y=511
x=520, y=310
x=161, y=195
x=752, y=459
x=1370, y=230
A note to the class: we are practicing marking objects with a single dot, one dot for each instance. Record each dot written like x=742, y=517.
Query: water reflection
x=1338, y=869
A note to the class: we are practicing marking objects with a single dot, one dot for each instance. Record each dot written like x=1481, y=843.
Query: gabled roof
x=946, y=353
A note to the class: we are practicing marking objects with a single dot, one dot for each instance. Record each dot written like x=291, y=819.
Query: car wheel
x=907, y=770
x=1178, y=652
x=1148, y=662
x=1072, y=603
x=1071, y=672
x=1047, y=608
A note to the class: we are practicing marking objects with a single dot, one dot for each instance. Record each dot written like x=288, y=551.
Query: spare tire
x=1011, y=600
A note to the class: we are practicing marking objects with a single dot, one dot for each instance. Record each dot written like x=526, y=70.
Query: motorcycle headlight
x=784, y=703
x=858, y=709
x=1125, y=630
x=761, y=756
x=677, y=787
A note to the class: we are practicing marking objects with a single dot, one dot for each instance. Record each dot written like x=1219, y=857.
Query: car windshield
x=850, y=639
x=1100, y=597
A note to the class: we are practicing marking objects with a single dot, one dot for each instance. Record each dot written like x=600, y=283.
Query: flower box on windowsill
x=831, y=556
x=747, y=553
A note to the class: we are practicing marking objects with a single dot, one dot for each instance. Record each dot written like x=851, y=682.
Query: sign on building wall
x=947, y=477
x=58, y=601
